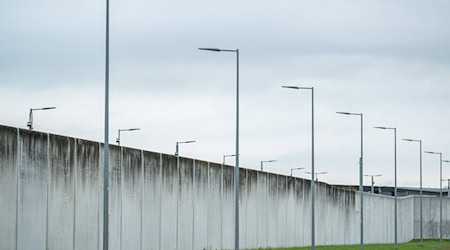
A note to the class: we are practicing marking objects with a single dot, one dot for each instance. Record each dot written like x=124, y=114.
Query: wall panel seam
x=142, y=195
x=75, y=191
x=121, y=196
x=17, y=187
x=99, y=200
x=160, y=197
x=193, y=204
x=48, y=190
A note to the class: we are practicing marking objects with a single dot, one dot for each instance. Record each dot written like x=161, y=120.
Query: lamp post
x=375, y=175
x=262, y=163
x=316, y=174
x=440, y=195
x=106, y=144
x=292, y=169
x=236, y=169
x=127, y=129
x=181, y=142
x=313, y=243
x=421, y=222
x=395, y=179
x=225, y=156
x=361, y=187
x=30, y=118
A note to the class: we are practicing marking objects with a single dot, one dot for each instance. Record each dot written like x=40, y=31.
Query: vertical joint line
x=221, y=207
x=193, y=204
x=17, y=186
x=121, y=195
x=100, y=195
x=178, y=200
x=209, y=207
x=142, y=195
x=75, y=169
x=48, y=189
x=160, y=197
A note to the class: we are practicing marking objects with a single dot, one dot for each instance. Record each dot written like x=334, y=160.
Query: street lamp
x=375, y=175
x=225, y=156
x=440, y=183
x=361, y=187
x=262, y=163
x=181, y=142
x=30, y=119
x=128, y=129
x=313, y=243
x=395, y=179
x=421, y=222
x=292, y=169
x=316, y=174
x=236, y=169
x=106, y=144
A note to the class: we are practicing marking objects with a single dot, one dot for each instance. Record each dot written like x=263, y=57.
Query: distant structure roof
x=401, y=191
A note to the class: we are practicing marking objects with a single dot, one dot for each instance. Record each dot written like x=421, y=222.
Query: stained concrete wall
x=52, y=199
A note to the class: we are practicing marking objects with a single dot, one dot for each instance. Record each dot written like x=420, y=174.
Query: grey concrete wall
x=52, y=199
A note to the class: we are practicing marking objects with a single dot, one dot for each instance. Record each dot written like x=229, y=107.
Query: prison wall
x=52, y=198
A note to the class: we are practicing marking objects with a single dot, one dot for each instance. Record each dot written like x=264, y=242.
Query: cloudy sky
x=387, y=59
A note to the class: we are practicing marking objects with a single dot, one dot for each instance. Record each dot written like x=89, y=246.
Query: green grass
x=412, y=245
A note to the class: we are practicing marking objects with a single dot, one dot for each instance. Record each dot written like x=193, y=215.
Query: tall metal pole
x=236, y=169
x=361, y=174
x=106, y=149
x=313, y=242
x=395, y=180
x=421, y=222
x=440, y=192
x=395, y=176
x=361, y=187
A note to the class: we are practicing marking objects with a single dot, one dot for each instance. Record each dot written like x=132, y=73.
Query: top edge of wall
x=24, y=130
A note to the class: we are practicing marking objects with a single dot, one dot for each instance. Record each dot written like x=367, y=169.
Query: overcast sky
x=387, y=59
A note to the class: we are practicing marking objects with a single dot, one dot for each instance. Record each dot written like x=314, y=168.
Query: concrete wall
x=52, y=199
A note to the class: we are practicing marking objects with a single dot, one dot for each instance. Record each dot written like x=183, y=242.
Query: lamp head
x=348, y=113
x=210, y=49
x=290, y=87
